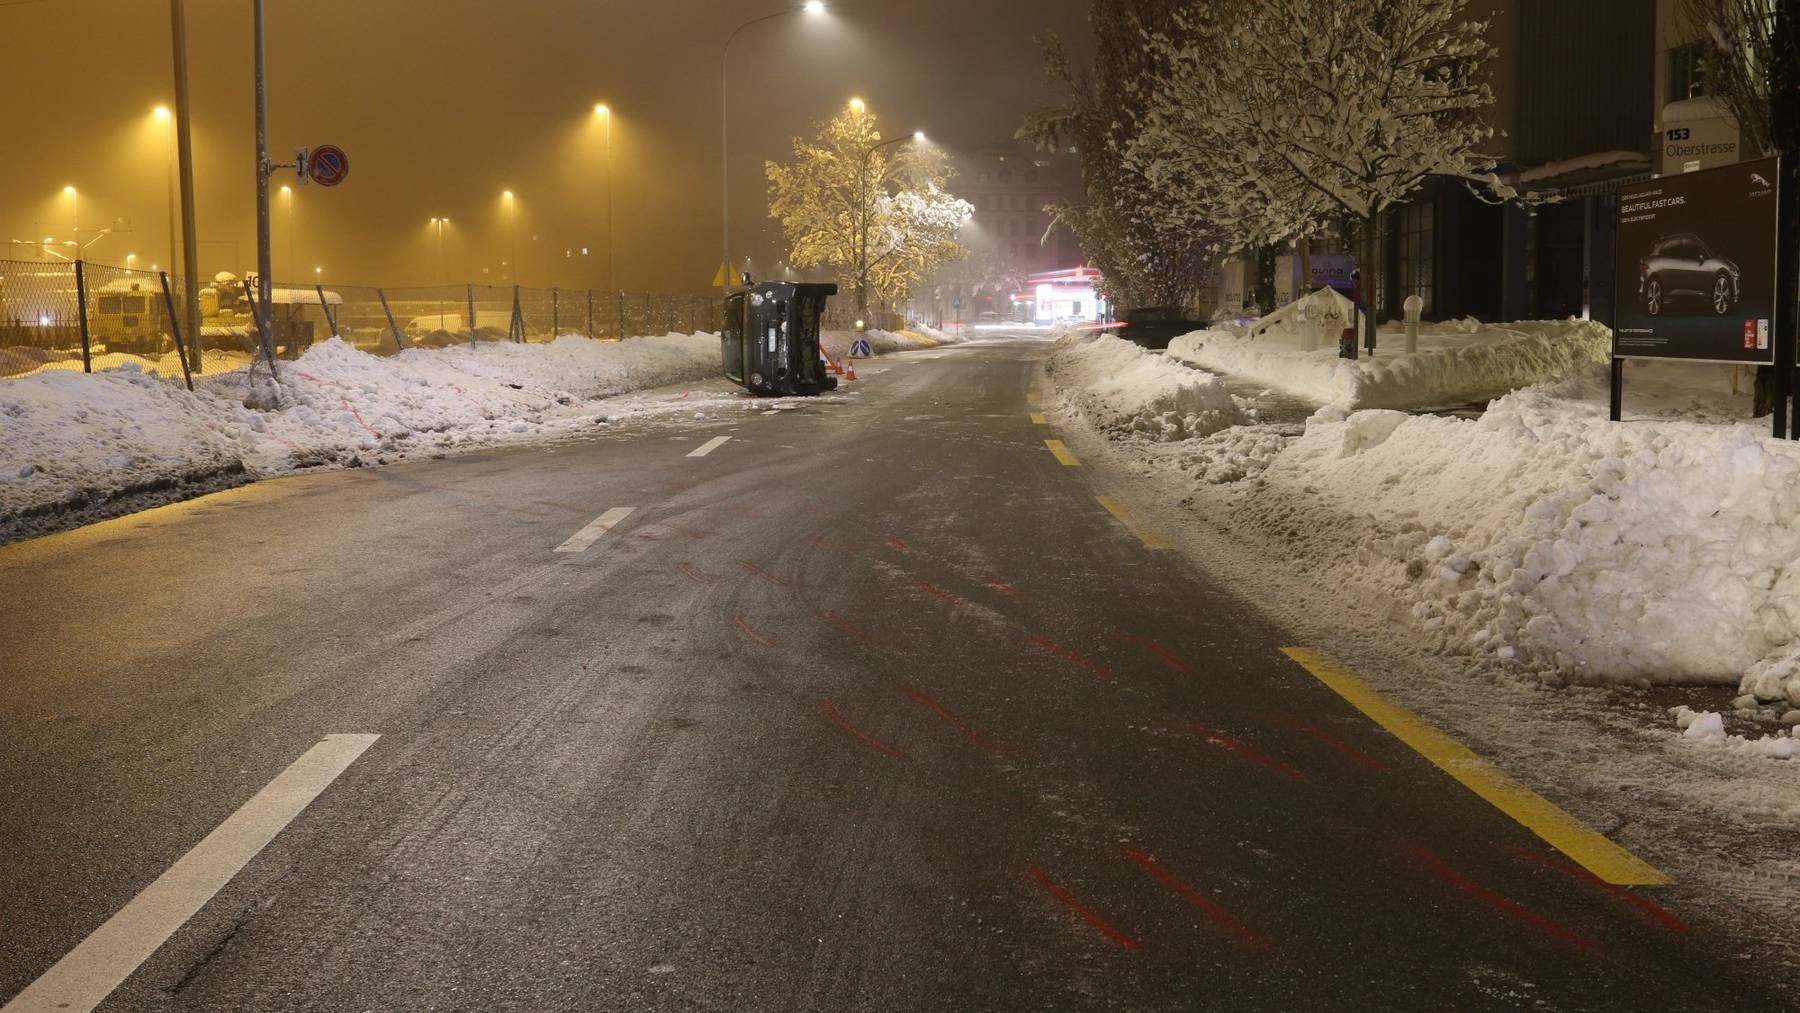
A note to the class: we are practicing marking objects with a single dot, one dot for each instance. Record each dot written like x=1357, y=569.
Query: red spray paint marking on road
x=824, y=541
x=750, y=567
x=1082, y=911
x=1647, y=907
x=1512, y=909
x=1003, y=587
x=752, y=634
x=830, y=711
x=1094, y=668
x=687, y=570
x=1220, y=917
x=895, y=541
x=1226, y=742
x=1328, y=739
x=950, y=718
x=939, y=593
x=1163, y=654
x=846, y=627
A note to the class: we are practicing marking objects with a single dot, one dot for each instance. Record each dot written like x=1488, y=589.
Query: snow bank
x=1647, y=553
x=1124, y=390
x=72, y=437
x=1457, y=361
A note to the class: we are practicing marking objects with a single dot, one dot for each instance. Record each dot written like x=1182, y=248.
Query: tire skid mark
x=824, y=541
x=687, y=570
x=1224, y=919
x=939, y=593
x=1650, y=909
x=756, y=570
x=1361, y=758
x=1003, y=587
x=1229, y=744
x=1080, y=910
x=832, y=714
x=846, y=627
x=752, y=634
x=894, y=541
x=1161, y=653
x=1094, y=668
x=1439, y=869
x=954, y=720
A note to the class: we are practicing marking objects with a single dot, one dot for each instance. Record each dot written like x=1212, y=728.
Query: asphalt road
x=872, y=707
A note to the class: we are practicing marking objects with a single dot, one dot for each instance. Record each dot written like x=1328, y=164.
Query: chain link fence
x=82, y=316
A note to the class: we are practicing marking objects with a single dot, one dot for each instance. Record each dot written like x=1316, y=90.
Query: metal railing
x=91, y=317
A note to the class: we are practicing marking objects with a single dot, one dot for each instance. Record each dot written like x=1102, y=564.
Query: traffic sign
x=328, y=165
x=860, y=349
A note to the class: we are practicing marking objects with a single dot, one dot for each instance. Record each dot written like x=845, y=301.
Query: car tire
x=1653, y=297
x=1721, y=294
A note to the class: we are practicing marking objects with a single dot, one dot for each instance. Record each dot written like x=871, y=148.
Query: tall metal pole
x=725, y=132
x=184, y=140
x=611, y=273
x=264, y=286
x=169, y=166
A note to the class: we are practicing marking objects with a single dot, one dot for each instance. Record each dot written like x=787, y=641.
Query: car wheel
x=1653, y=297
x=1721, y=294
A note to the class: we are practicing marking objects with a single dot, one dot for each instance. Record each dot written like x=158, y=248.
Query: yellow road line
x=1123, y=514
x=1565, y=833
x=1062, y=453
x=1039, y=419
x=1034, y=398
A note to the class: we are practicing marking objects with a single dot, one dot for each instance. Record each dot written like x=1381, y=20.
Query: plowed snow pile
x=1460, y=360
x=1124, y=390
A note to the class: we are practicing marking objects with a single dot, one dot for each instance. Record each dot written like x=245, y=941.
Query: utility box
x=769, y=343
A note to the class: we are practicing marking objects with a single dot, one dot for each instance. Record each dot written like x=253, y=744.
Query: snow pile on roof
x=1124, y=390
x=72, y=436
x=1457, y=361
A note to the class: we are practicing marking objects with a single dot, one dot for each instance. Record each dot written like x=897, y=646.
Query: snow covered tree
x=1358, y=102
x=874, y=212
x=1144, y=257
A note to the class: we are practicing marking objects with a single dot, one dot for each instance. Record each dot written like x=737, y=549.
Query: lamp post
x=74, y=196
x=864, y=196
x=811, y=8
x=287, y=195
x=512, y=233
x=443, y=270
x=611, y=276
x=168, y=122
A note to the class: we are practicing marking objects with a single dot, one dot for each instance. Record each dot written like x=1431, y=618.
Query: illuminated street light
x=512, y=233
x=811, y=8
x=919, y=135
x=130, y=261
x=611, y=278
x=75, y=214
x=858, y=105
x=168, y=121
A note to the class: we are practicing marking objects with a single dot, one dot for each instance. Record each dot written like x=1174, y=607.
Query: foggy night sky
x=442, y=104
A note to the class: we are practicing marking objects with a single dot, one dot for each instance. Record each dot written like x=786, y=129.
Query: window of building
x=1414, y=237
x=1687, y=72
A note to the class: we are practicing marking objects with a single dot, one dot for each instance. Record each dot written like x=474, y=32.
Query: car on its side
x=1681, y=269
x=1155, y=326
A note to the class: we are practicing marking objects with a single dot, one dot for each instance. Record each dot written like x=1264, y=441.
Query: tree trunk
x=1304, y=287
x=1265, y=279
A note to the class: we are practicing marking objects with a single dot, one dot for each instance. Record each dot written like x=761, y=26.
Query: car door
x=1693, y=266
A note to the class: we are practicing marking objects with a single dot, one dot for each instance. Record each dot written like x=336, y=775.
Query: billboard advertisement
x=1697, y=266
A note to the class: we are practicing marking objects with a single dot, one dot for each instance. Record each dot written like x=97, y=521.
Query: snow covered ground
x=1457, y=361
x=1614, y=605
x=73, y=440
x=1123, y=389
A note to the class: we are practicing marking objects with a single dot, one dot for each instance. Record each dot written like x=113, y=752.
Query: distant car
x=987, y=317
x=1681, y=268
x=1156, y=326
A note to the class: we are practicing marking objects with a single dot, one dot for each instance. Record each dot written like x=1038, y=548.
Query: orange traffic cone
x=849, y=368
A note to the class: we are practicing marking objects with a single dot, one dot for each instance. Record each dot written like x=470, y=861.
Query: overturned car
x=769, y=343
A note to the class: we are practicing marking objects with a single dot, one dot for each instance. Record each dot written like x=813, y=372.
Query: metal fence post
x=620, y=334
x=555, y=313
x=471, y=314
x=516, y=327
x=87, y=355
x=590, y=315
x=323, y=305
x=399, y=344
x=175, y=328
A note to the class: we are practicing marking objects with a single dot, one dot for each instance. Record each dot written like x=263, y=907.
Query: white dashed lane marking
x=596, y=530
x=709, y=446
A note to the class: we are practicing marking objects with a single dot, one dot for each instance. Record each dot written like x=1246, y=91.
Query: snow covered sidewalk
x=1457, y=361
x=73, y=440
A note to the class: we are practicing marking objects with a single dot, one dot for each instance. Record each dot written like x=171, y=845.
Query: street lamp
x=74, y=196
x=611, y=277
x=862, y=210
x=443, y=269
x=130, y=261
x=168, y=122
x=512, y=234
x=811, y=8
x=287, y=194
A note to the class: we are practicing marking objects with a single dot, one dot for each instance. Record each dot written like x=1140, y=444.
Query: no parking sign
x=328, y=165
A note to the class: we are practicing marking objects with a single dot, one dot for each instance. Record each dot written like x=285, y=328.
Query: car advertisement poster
x=1697, y=266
